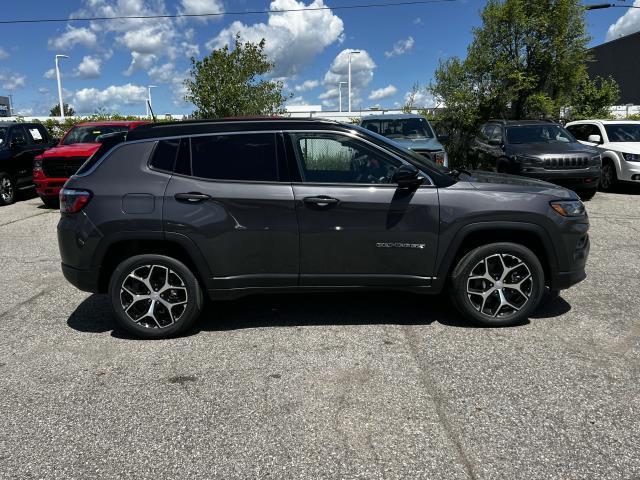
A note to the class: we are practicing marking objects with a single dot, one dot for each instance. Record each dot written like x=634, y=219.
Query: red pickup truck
x=52, y=168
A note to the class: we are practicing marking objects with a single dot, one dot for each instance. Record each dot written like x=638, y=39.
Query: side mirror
x=594, y=139
x=407, y=176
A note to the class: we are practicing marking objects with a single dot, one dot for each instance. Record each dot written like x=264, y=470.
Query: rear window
x=245, y=157
x=164, y=155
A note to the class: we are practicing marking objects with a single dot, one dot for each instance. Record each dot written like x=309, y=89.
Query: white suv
x=619, y=141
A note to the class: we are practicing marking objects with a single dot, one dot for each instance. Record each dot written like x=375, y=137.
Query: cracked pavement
x=371, y=386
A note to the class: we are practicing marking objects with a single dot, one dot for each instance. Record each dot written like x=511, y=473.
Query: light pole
x=149, y=87
x=58, y=57
x=628, y=105
x=11, y=105
x=351, y=52
x=340, y=93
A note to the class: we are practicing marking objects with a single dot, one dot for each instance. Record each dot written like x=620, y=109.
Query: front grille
x=61, y=167
x=565, y=163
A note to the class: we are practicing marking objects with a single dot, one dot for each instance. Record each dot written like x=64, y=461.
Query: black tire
x=181, y=285
x=587, y=195
x=608, y=177
x=51, y=202
x=7, y=189
x=520, y=305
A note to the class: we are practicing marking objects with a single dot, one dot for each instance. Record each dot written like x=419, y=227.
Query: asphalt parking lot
x=371, y=386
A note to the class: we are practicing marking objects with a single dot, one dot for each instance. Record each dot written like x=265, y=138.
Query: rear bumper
x=49, y=187
x=85, y=280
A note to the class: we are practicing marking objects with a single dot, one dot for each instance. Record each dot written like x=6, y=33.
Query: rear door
x=22, y=155
x=356, y=226
x=231, y=195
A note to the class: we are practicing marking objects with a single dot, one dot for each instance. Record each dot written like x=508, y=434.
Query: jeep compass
x=176, y=212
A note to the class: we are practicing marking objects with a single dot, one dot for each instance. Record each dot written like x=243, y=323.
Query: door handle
x=321, y=201
x=192, y=197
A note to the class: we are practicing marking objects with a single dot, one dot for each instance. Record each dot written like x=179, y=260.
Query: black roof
x=9, y=123
x=521, y=122
x=194, y=127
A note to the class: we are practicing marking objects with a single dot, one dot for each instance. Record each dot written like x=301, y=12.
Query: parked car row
x=30, y=157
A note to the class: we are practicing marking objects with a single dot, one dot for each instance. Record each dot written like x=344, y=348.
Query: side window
x=577, y=131
x=36, y=134
x=18, y=137
x=333, y=158
x=164, y=155
x=496, y=133
x=248, y=157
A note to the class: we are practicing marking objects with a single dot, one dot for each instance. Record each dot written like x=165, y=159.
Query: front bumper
x=49, y=187
x=575, y=180
x=629, y=171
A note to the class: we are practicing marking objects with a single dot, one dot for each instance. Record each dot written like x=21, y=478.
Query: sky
x=112, y=62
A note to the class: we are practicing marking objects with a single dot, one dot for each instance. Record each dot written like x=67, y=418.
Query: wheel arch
x=612, y=157
x=175, y=246
x=529, y=235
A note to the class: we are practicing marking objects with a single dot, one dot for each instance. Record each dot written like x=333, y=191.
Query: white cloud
x=307, y=85
x=163, y=73
x=190, y=49
x=198, y=7
x=3, y=54
x=400, y=48
x=382, y=93
x=362, y=66
x=140, y=61
x=89, y=67
x=626, y=24
x=50, y=74
x=10, y=80
x=421, y=99
x=43, y=90
x=293, y=39
x=87, y=100
x=72, y=37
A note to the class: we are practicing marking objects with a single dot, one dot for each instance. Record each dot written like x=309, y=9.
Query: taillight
x=72, y=201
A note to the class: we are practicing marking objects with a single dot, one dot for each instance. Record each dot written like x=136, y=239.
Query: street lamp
x=149, y=87
x=58, y=57
x=340, y=93
x=351, y=52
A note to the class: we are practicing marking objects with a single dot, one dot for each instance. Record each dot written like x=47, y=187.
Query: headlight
x=526, y=160
x=631, y=157
x=597, y=160
x=439, y=157
x=569, y=208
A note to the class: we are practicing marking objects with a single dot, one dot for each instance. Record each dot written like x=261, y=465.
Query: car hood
x=539, y=149
x=490, y=181
x=624, y=147
x=419, y=144
x=74, y=150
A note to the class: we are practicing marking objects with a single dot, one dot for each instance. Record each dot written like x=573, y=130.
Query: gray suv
x=177, y=212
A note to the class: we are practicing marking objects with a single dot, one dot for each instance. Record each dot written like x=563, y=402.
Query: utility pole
x=340, y=93
x=11, y=105
x=351, y=52
x=58, y=57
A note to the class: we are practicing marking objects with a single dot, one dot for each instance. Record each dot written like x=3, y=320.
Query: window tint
x=577, y=131
x=37, y=134
x=249, y=157
x=623, y=132
x=332, y=158
x=592, y=129
x=164, y=155
x=18, y=136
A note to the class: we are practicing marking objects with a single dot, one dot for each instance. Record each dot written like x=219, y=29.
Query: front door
x=231, y=196
x=356, y=226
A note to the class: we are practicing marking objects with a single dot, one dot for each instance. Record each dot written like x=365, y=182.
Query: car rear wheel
x=7, y=189
x=498, y=285
x=608, y=177
x=154, y=296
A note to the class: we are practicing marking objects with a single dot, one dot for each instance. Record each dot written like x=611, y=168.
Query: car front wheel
x=498, y=285
x=155, y=296
x=608, y=177
x=7, y=190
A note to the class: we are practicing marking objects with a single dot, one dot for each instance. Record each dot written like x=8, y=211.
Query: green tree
x=593, y=98
x=230, y=83
x=68, y=110
x=527, y=60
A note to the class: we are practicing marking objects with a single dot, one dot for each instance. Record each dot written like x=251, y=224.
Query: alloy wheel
x=500, y=285
x=153, y=296
x=606, y=177
x=6, y=189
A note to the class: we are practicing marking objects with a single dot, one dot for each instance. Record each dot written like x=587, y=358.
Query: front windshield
x=90, y=133
x=3, y=135
x=538, y=134
x=623, y=132
x=416, y=158
x=404, y=128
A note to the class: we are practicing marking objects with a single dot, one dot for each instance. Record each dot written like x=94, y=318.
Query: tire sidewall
x=4, y=175
x=470, y=260
x=194, y=293
x=610, y=168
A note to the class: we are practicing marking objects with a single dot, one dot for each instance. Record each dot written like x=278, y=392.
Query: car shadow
x=94, y=314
